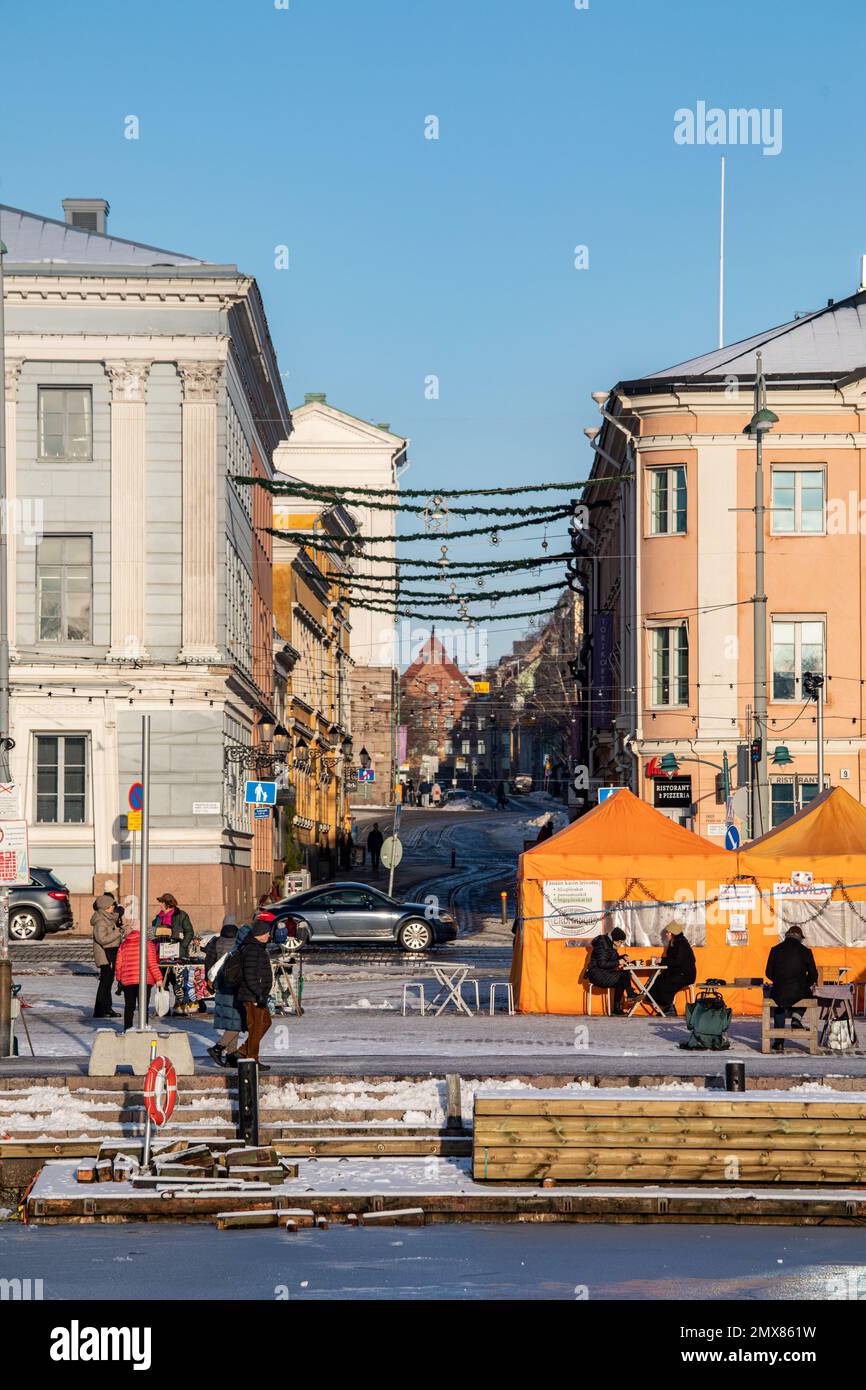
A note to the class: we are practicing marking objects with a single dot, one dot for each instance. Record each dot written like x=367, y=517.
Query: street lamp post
x=762, y=420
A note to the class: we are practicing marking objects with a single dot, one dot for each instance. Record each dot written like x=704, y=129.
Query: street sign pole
x=145, y=869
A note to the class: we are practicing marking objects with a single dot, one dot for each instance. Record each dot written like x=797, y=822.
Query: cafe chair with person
x=605, y=968
x=680, y=968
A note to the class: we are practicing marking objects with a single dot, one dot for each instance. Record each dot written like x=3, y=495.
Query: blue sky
x=410, y=257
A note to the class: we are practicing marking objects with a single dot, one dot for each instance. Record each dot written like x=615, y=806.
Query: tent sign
x=801, y=888
x=737, y=897
x=572, y=907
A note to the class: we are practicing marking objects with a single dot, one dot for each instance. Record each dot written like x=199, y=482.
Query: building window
x=482, y=747
x=786, y=798
x=797, y=507
x=464, y=746
x=670, y=665
x=65, y=423
x=64, y=587
x=668, y=501
x=798, y=647
x=449, y=746
x=61, y=779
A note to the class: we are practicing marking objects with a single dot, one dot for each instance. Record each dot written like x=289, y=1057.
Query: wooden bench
x=744, y=1139
x=808, y=1034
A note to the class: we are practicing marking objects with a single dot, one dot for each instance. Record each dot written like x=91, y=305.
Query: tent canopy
x=623, y=839
x=828, y=838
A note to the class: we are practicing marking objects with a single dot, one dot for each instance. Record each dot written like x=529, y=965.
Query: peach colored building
x=668, y=563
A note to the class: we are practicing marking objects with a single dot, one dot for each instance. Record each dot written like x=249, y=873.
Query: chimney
x=88, y=214
x=315, y=398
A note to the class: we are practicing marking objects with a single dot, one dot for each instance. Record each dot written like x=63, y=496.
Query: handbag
x=161, y=1001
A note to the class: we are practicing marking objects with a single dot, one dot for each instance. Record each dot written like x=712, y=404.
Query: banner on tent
x=569, y=908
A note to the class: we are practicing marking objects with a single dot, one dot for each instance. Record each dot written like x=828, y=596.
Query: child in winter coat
x=126, y=971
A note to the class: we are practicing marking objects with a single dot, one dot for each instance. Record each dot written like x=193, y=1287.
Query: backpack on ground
x=708, y=1020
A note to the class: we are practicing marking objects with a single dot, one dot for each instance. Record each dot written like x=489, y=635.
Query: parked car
x=40, y=906
x=521, y=784
x=356, y=914
x=458, y=799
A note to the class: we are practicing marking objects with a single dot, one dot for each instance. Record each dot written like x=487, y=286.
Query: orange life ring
x=160, y=1090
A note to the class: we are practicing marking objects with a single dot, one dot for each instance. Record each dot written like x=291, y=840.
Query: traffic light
x=756, y=750
x=813, y=683
x=720, y=789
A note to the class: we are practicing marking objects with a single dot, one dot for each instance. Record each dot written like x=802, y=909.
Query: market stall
x=624, y=864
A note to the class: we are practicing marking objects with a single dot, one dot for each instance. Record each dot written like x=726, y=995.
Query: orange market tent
x=622, y=864
x=811, y=872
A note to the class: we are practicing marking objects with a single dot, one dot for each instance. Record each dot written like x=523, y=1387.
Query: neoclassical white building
x=333, y=448
x=140, y=385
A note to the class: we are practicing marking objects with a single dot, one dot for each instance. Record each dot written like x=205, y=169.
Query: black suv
x=40, y=906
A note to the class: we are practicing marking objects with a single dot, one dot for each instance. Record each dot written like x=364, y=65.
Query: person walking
x=546, y=831
x=127, y=973
x=256, y=983
x=793, y=974
x=375, y=841
x=501, y=798
x=228, y=1015
x=107, y=937
x=436, y=794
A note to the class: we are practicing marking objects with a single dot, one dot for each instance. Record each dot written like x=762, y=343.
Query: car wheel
x=415, y=936
x=26, y=925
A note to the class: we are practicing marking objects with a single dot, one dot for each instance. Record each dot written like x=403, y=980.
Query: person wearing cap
x=793, y=974
x=257, y=980
x=680, y=968
x=605, y=968
x=228, y=1017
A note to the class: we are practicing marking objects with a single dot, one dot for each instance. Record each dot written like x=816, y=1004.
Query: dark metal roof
x=34, y=240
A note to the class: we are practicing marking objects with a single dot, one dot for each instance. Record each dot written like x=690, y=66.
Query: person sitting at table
x=792, y=973
x=680, y=968
x=606, y=970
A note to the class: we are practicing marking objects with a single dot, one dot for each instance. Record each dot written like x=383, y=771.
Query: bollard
x=453, y=858
x=735, y=1076
x=503, y=898
x=454, y=1104
x=248, y=1101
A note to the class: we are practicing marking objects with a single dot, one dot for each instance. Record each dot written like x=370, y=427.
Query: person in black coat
x=792, y=973
x=375, y=841
x=680, y=969
x=257, y=980
x=605, y=969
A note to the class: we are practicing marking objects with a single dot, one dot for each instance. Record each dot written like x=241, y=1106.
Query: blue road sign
x=136, y=796
x=732, y=836
x=261, y=794
x=366, y=774
x=605, y=792
x=261, y=812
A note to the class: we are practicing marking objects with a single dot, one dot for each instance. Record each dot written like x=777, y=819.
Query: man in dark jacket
x=375, y=841
x=605, y=969
x=257, y=980
x=680, y=968
x=792, y=973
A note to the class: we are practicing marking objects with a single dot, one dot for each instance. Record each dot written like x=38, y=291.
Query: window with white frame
x=798, y=647
x=64, y=587
x=465, y=746
x=65, y=423
x=798, y=501
x=789, y=795
x=669, y=650
x=668, y=501
x=61, y=779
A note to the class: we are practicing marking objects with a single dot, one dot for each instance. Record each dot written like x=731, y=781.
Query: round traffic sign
x=732, y=836
x=160, y=1090
x=136, y=796
x=392, y=851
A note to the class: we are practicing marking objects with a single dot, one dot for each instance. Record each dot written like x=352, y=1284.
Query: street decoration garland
x=287, y=487
x=302, y=537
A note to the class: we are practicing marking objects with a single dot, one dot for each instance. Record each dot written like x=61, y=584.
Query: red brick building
x=433, y=695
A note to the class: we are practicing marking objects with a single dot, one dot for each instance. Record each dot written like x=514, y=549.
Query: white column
x=200, y=385
x=23, y=520
x=128, y=509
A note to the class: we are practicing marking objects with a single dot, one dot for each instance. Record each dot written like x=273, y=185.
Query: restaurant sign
x=672, y=791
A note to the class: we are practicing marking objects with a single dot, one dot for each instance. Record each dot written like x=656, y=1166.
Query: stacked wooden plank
x=546, y=1136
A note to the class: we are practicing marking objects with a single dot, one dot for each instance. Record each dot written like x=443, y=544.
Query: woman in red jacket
x=126, y=972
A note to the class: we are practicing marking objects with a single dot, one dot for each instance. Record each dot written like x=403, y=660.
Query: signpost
x=140, y=792
x=732, y=836
x=366, y=774
x=672, y=791
x=10, y=801
x=14, y=855
x=604, y=792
